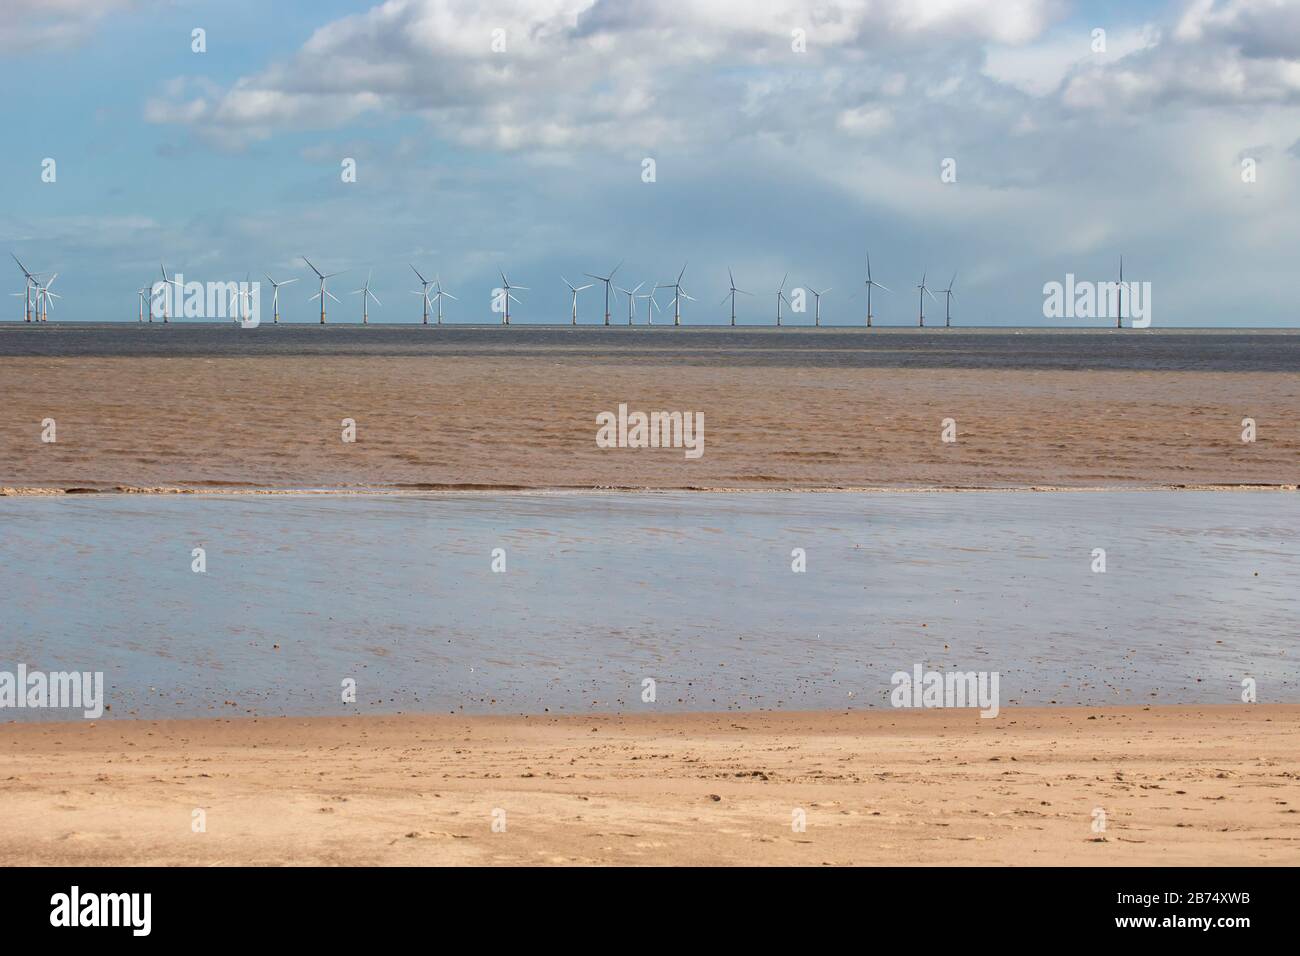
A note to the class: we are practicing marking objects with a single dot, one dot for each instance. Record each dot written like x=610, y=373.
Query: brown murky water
x=214, y=408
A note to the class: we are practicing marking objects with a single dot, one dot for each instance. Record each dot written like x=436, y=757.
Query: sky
x=787, y=137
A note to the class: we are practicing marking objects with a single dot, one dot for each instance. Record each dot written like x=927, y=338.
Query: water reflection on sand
x=694, y=591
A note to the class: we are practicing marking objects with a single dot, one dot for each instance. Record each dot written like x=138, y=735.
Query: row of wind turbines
x=43, y=296
x=432, y=295
x=508, y=290
x=679, y=294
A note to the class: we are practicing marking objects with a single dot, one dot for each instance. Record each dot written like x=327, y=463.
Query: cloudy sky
x=786, y=136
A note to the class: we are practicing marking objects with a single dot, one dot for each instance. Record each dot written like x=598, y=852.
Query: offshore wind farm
x=170, y=300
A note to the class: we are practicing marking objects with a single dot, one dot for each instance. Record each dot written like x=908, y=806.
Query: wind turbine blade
x=417, y=273
x=448, y=295
x=313, y=268
x=288, y=281
x=682, y=273
x=783, y=278
x=523, y=287
x=376, y=298
x=580, y=288
x=879, y=286
x=334, y=297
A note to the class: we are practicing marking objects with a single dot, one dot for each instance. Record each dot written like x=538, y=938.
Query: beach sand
x=530, y=422
x=1178, y=785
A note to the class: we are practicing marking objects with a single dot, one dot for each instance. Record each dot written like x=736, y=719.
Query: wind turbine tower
x=439, y=295
x=947, y=304
x=508, y=288
x=817, y=304
x=732, y=295
x=575, y=290
x=631, y=299
x=870, y=283
x=323, y=291
x=275, y=297
x=607, y=280
x=923, y=293
x=366, y=296
x=423, y=293
x=678, y=294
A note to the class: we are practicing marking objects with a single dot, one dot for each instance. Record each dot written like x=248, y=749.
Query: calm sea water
x=694, y=591
x=1214, y=350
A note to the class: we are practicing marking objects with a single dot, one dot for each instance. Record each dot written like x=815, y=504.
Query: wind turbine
x=575, y=290
x=438, y=297
x=244, y=295
x=43, y=297
x=505, y=284
x=947, y=305
x=608, y=280
x=631, y=297
x=924, y=292
x=732, y=295
x=323, y=292
x=780, y=295
x=650, y=301
x=167, y=280
x=817, y=304
x=678, y=294
x=869, y=283
x=275, y=297
x=142, y=293
x=366, y=296
x=424, y=291
x=29, y=280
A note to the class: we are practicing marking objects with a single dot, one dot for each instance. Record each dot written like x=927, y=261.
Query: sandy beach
x=529, y=422
x=1178, y=785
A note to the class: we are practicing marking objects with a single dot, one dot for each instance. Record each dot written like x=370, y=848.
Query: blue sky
x=768, y=160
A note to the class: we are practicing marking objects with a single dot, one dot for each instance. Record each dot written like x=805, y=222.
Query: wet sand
x=1195, y=785
x=528, y=421
x=601, y=591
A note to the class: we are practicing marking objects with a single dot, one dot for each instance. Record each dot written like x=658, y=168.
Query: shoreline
x=1178, y=785
x=542, y=491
